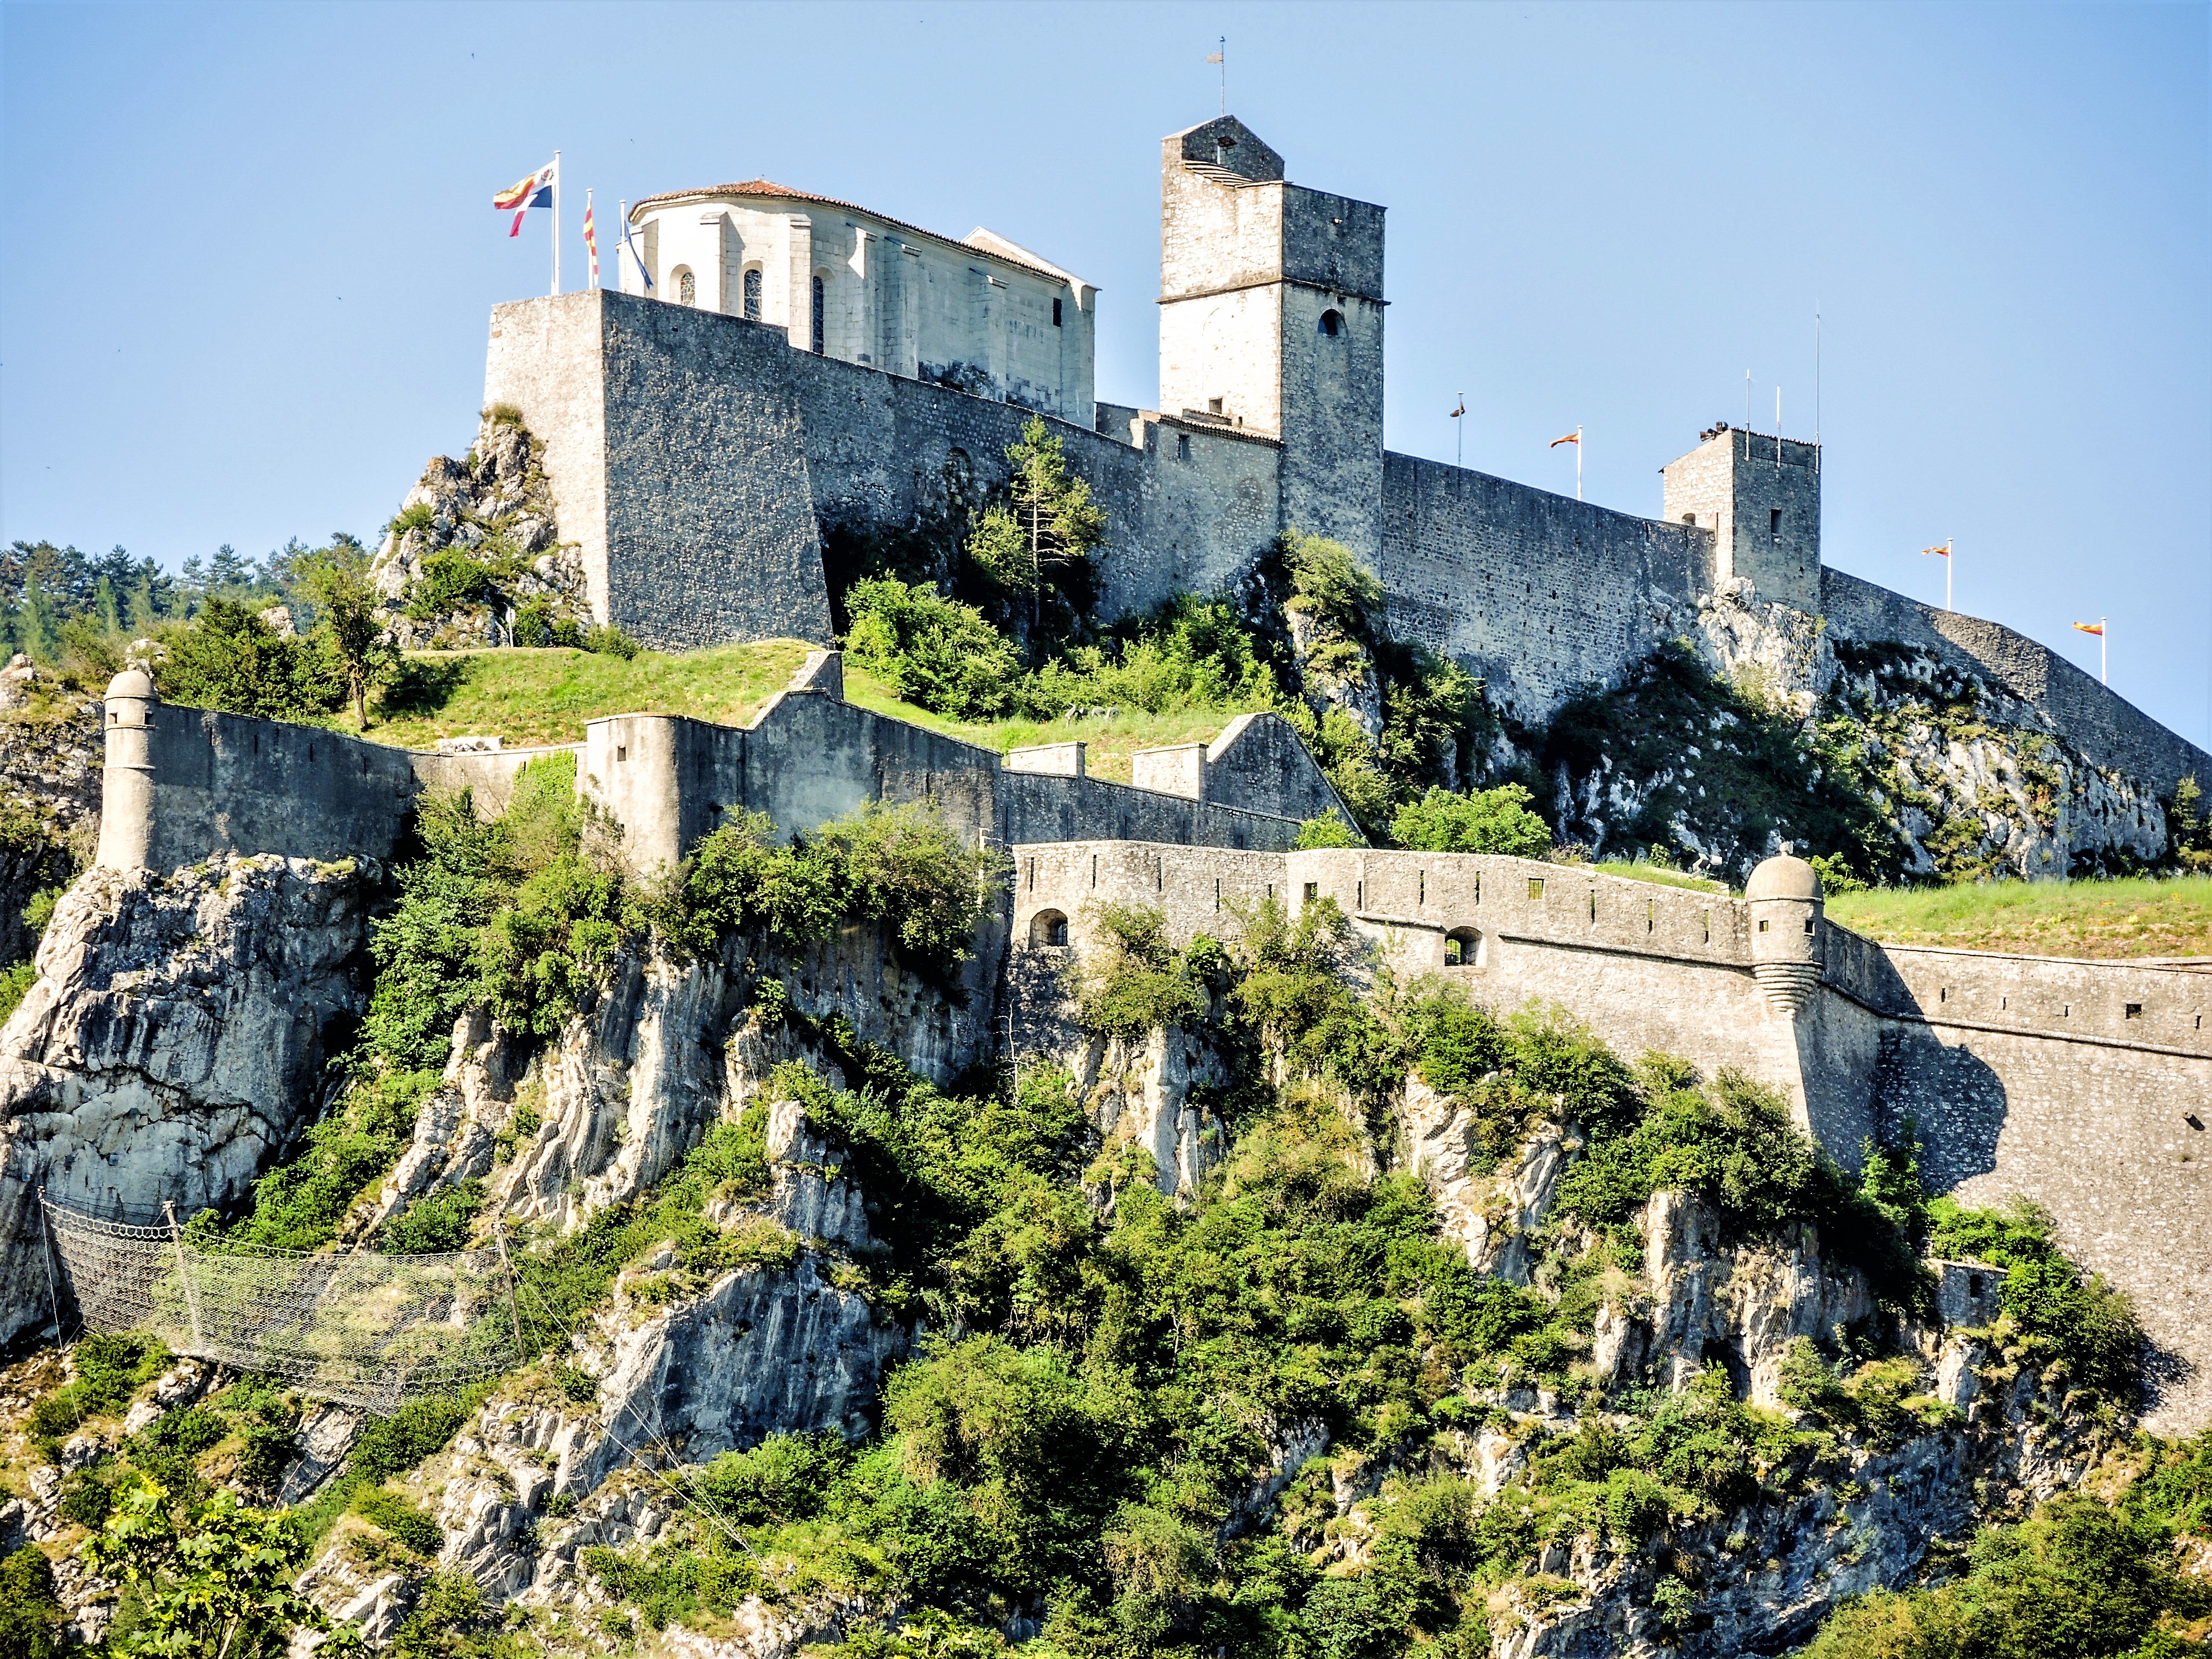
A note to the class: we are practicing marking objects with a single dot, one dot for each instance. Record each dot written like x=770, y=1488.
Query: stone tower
x=1271, y=321
x=1784, y=900
x=126, y=781
x=1760, y=496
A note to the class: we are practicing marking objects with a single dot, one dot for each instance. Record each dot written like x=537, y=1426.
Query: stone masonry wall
x=2018, y=1075
x=808, y=757
x=1539, y=593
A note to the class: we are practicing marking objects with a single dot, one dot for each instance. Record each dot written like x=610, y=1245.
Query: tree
x=231, y=660
x=337, y=580
x=1050, y=521
x=217, y=1586
x=1484, y=820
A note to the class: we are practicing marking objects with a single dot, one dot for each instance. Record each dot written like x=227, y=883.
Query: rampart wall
x=2111, y=733
x=2086, y=1086
x=810, y=756
x=1539, y=593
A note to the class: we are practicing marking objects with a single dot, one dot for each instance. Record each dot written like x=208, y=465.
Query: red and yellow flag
x=590, y=239
x=536, y=191
x=2096, y=628
x=1943, y=551
x=1574, y=437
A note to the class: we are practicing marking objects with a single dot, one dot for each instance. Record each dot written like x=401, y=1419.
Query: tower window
x=687, y=287
x=1182, y=445
x=753, y=294
x=1331, y=323
x=1055, y=312
x=1774, y=522
x=1213, y=406
x=814, y=329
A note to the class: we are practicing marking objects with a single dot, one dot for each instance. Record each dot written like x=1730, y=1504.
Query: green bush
x=1327, y=831
x=610, y=642
x=1487, y=821
x=1132, y=981
x=2087, y=1323
x=398, y=1518
x=900, y=867
x=389, y=1446
x=230, y=659
x=31, y=1612
x=16, y=983
x=452, y=577
x=930, y=650
x=436, y=1223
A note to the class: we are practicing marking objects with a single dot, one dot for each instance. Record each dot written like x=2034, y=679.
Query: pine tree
x=1047, y=523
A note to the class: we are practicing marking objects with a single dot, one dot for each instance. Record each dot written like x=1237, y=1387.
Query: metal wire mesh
x=362, y=1329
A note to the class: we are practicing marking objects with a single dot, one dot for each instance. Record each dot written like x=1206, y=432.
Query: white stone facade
x=982, y=315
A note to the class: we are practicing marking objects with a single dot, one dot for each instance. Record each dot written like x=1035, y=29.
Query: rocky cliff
x=173, y=1043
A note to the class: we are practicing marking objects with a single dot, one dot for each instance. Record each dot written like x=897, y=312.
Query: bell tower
x=1271, y=322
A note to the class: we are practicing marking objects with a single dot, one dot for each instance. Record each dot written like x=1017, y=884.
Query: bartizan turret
x=127, y=782
x=1783, y=897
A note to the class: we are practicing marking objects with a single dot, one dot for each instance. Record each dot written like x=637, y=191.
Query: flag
x=1574, y=437
x=2096, y=628
x=630, y=242
x=1943, y=551
x=590, y=239
x=536, y=191
x=1213, y=58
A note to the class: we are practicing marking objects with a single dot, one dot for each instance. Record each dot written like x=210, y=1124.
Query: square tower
x=1760, y=496
x=1271, y=321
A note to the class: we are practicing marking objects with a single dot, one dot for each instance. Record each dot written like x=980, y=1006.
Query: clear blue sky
x=250, y=250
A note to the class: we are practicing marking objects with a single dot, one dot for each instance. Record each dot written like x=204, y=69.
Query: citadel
x=803, y=373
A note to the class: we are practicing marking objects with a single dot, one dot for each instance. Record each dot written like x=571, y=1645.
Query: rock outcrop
x=172, y=1042
x=495, y=506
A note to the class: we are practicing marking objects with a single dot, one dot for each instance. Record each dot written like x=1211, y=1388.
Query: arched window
x=1049, y=927
x=1331, y=323
x=687, y=287
x=815, y=331
x=1462, y=948
x=752, y=295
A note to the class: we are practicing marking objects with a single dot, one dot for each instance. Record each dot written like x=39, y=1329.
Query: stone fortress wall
x=2086, y=1086
x=702, y=461
x=2082, y=1085
x=181, y=784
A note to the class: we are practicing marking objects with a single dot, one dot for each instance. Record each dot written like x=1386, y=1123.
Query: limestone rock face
x=496, y=507
x=1141, y=1091
x=1337, y=668
x=1489, y=1211
x=172, y=1042
x=49, y=761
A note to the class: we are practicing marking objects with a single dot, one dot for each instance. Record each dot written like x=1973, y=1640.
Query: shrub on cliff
x=229, y=659
x=930, y=650
x=1484, y=821
x=2085, y=1321
x=903, y=868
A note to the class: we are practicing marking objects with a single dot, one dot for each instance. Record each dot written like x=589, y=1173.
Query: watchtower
x=1760, y=496
x=1271, y=321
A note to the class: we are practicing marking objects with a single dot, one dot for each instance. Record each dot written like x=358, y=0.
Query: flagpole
x=1950, y=559
x=1578, y=463
x=589, y=278
x=557, y=222
x=2104, y=638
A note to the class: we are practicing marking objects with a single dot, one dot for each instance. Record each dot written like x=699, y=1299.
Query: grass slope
x=2131, y=917
x=541, y=696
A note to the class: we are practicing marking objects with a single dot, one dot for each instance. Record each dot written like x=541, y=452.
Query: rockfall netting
x=362, y=1329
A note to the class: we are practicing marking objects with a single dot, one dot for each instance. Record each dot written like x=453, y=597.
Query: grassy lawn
x=540, y=696
x=2135, y=917
x=1664, y=877
x=531, y=697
